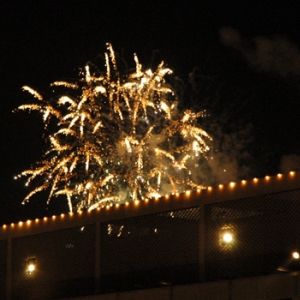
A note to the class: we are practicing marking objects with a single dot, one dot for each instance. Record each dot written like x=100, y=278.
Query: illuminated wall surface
x=240, y=230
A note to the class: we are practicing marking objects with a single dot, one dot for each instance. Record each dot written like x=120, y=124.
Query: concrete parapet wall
x=282, y=286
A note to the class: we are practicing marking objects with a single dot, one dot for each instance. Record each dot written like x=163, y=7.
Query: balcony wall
x=170, y=246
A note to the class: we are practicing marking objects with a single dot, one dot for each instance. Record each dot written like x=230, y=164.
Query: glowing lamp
x=227, y=237
x=291, y=263
x=31, y=268
x=30, y=265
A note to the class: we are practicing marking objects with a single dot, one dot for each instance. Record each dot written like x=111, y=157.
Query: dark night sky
x=246, y=53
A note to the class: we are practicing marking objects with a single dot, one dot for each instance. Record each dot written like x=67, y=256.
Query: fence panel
x=150, y=251
x=3, y=268
x=64, y=264
x=264, y=229
x=158, y=249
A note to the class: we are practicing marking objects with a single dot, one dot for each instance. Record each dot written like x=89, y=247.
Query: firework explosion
x=118, y=139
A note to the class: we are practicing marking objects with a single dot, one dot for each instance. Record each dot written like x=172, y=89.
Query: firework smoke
x=118, y=138
x=277, y=54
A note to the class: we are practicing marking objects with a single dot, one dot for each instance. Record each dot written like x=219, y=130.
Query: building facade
x=235, y=241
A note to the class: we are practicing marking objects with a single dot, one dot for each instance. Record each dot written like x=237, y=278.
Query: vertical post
x=9, y=269
x=97, y=258
x=296, y=291
x=202, y=244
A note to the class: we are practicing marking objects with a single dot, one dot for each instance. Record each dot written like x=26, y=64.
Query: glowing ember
x=119, y=138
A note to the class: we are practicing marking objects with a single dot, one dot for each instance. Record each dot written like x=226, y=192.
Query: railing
x=242, y=229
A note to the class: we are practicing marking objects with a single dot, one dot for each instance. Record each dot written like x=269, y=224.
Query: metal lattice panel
x=64, y=264
x=264, y=229
x=150, y=250
x=3, y=268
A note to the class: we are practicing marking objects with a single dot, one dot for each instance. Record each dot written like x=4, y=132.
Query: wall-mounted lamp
x=226, y=236
x=30, y=265
x=295, y=255
x=291, y=264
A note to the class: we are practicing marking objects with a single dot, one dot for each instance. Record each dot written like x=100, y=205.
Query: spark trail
x=118, y=138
